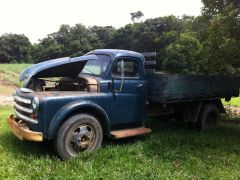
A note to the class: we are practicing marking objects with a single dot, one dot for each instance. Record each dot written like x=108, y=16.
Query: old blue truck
x=108, y=93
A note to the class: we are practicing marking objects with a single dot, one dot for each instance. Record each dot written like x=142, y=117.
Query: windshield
x=96, y=67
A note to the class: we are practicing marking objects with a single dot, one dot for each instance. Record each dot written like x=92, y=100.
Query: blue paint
x=116, y=108
x=55, y=68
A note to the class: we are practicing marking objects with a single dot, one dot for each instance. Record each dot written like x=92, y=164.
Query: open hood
x=61, y=67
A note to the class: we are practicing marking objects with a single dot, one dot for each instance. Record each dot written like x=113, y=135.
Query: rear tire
x=209, y=117
x=80, y=133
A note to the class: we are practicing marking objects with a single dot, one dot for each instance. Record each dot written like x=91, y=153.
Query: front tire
x=79, y=133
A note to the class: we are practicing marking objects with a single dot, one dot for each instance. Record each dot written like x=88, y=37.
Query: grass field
x=233, y=102
x=172, y=151
x=10, y=72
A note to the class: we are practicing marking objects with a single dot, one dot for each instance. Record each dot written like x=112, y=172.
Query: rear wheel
x=209, y=117
x=80, y=133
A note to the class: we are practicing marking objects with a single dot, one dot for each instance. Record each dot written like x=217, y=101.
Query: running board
x=124, y=133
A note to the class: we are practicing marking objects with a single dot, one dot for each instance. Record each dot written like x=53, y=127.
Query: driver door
x=129, y=91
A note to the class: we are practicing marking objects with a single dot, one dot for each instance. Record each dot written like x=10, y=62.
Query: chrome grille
x=25, y=118
x=22, y=100
x=23, y=109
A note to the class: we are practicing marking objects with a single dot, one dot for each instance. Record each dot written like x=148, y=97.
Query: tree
x=86, y=40
x=222, y=45
x=214, y=7
x=14, y=48
x=122, y=38
x=183, y=55
x=48, y=48
x=71, y=41
x=104, y=34
x=136, y=16
x=221, y=42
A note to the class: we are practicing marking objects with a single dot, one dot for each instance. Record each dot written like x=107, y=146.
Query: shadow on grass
x=26, y=148
x=173, y=140
x=176, y=139
x=167, y=136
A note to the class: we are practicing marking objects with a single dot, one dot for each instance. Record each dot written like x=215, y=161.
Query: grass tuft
x=9, y=73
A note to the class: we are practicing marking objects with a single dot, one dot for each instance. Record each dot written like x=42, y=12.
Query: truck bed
x=168, y=88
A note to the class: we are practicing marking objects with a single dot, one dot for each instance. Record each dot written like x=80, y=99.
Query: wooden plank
x=130, y=132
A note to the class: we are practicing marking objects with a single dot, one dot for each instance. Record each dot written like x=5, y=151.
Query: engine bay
x=64, y=84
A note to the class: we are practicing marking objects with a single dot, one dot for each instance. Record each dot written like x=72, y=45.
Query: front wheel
x=80, y=133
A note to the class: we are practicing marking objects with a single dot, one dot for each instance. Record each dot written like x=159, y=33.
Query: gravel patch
x=6, y=100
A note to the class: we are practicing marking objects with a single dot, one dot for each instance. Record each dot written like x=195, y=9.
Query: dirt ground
x=6, y=91
x=232, y=109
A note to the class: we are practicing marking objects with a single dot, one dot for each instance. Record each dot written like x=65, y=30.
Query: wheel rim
x=211, y=120
x=81, y=138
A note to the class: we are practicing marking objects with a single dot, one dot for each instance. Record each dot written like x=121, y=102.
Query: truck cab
x=78, y=101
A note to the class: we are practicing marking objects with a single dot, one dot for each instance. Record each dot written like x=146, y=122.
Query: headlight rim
x=35, y=103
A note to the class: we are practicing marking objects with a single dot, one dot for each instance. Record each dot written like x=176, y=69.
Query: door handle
x=140, y=86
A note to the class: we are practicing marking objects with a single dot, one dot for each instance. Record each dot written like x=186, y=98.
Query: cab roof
x=117, y=53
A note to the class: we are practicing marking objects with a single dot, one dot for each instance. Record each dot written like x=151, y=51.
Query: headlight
x=35, y=103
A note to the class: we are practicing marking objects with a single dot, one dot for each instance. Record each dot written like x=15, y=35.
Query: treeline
x=208, y=44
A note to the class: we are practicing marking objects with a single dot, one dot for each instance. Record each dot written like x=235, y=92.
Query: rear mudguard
x=73, y=107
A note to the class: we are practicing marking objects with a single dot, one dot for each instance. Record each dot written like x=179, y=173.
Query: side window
x=131, y=68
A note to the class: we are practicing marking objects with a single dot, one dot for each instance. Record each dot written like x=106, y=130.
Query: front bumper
x=21, y=130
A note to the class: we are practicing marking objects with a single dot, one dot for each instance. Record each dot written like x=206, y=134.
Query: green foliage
x=222, y=44
x=104, y=35
x=233, y=102
x=182, y=56
x=171, y=151
x=214, y=7
x=14, y=48
x=72, y=41
x=207, y=44
x=147, y=36
x=48, y=48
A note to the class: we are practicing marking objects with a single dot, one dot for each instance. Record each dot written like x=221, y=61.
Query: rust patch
x=21, y=131
x=64, y=93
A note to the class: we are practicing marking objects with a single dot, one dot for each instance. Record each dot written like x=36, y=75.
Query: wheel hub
x=82, y=137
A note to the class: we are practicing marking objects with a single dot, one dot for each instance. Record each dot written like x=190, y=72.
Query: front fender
x=68, y=109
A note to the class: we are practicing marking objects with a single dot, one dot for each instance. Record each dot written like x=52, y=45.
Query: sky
x=37, y=18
